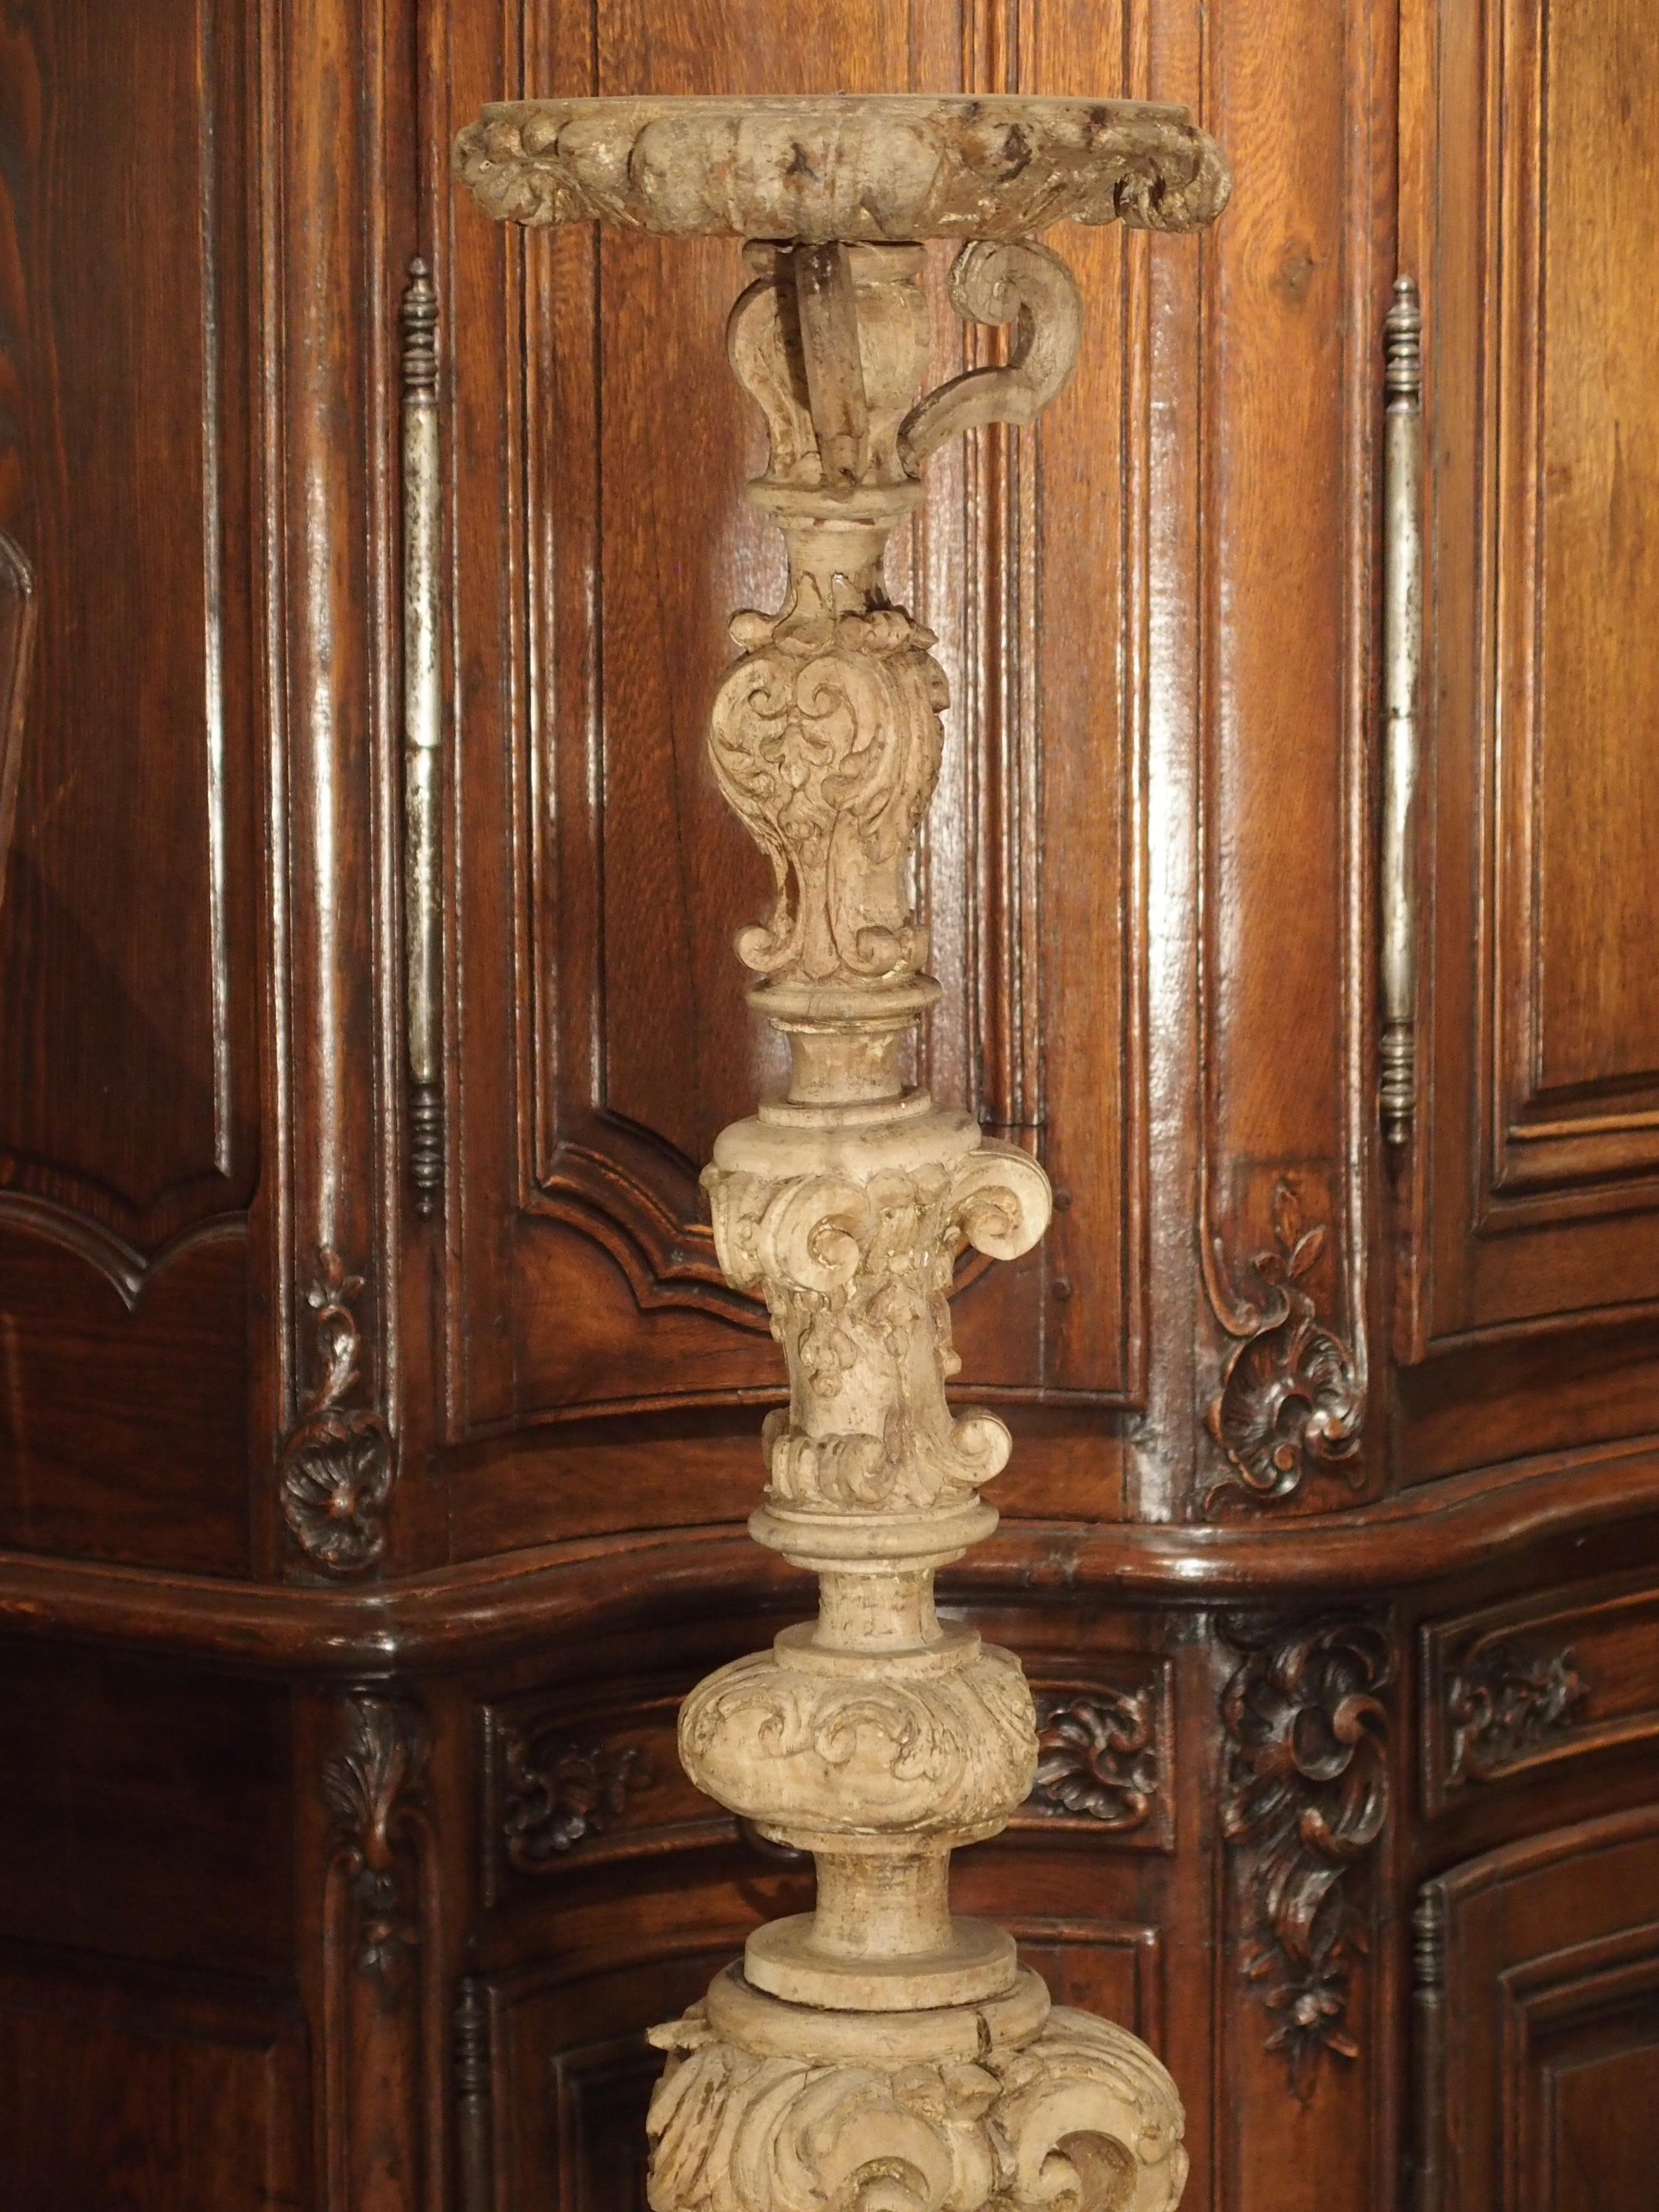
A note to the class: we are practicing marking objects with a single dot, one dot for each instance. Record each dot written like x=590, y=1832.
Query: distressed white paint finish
x=879, y=2054
x=894, y=166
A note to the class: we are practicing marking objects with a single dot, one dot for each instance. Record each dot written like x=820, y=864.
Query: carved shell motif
x=336, y=1471
x=371, y=1784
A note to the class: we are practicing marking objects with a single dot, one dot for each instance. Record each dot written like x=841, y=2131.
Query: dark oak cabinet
x=373, y=1461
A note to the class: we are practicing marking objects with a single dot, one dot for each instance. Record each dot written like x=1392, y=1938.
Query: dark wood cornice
x=493, y=1609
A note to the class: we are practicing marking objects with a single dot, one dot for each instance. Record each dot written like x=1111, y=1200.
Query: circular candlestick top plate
x=871, y=168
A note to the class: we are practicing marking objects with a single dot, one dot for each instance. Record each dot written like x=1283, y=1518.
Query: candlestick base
x=1012, y=2104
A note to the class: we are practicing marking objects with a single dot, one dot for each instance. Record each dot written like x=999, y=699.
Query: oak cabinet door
x=1538, y=2024
x=1540, y=1167
x=132, y=383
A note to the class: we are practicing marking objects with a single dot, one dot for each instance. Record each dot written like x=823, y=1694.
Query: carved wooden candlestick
x=877, y=2055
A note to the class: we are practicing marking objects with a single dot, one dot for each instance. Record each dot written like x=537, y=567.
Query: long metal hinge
x=422, y=739
x=1402, y=663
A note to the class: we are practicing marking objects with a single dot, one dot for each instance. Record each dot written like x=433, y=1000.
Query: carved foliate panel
x=568, y=1787
x=1305, y=1798
x=1535, y=2065
x=1537, y=1680
x=1105, y=1761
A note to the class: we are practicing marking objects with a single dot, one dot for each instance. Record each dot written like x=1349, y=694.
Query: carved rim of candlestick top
x=888, y=167
x=877, y=2054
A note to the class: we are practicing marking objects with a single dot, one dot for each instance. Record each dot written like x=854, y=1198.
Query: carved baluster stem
x=877, y=2054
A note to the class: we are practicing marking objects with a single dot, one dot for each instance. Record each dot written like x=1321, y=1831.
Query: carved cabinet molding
x=1531, y=1200
x=336, y=1468
x=1105, y=1762
x=1536, y=1681
x=1305, y=1798
x=1535, y=2053
x=1292, y=1402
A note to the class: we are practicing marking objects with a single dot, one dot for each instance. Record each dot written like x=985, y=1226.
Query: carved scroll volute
x=856, y=1276
x=825, y=736
x=1002, y=282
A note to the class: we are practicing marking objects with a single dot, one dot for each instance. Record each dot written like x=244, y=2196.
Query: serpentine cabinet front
x=376, y=1427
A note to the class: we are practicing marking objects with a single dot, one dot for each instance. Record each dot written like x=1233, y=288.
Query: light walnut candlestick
x=876, y=2055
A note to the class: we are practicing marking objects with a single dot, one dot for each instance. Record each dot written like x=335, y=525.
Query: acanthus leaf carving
x=825, y=740
x=336, y=1468
x=1082, y=2116
x=947, y=1754
x=830, y=168
x=1306, y=1798
x=556, y=1793
x=1097, y=1755
x=857, y=1275
x=372, y=1785
x=1291, y=1400
x=1504, y=1701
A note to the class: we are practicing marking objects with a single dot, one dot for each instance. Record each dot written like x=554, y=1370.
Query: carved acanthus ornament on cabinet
x=1503, y=1703
x=1306, y=1798
x=1293, y=1399
x=372, y=1785
x=1097, y=1755
x=334, y=1472
x=876, y=2053
x=555, y=1793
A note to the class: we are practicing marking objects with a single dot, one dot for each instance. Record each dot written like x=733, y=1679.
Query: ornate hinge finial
x=422, y=739
x=1402, y=657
